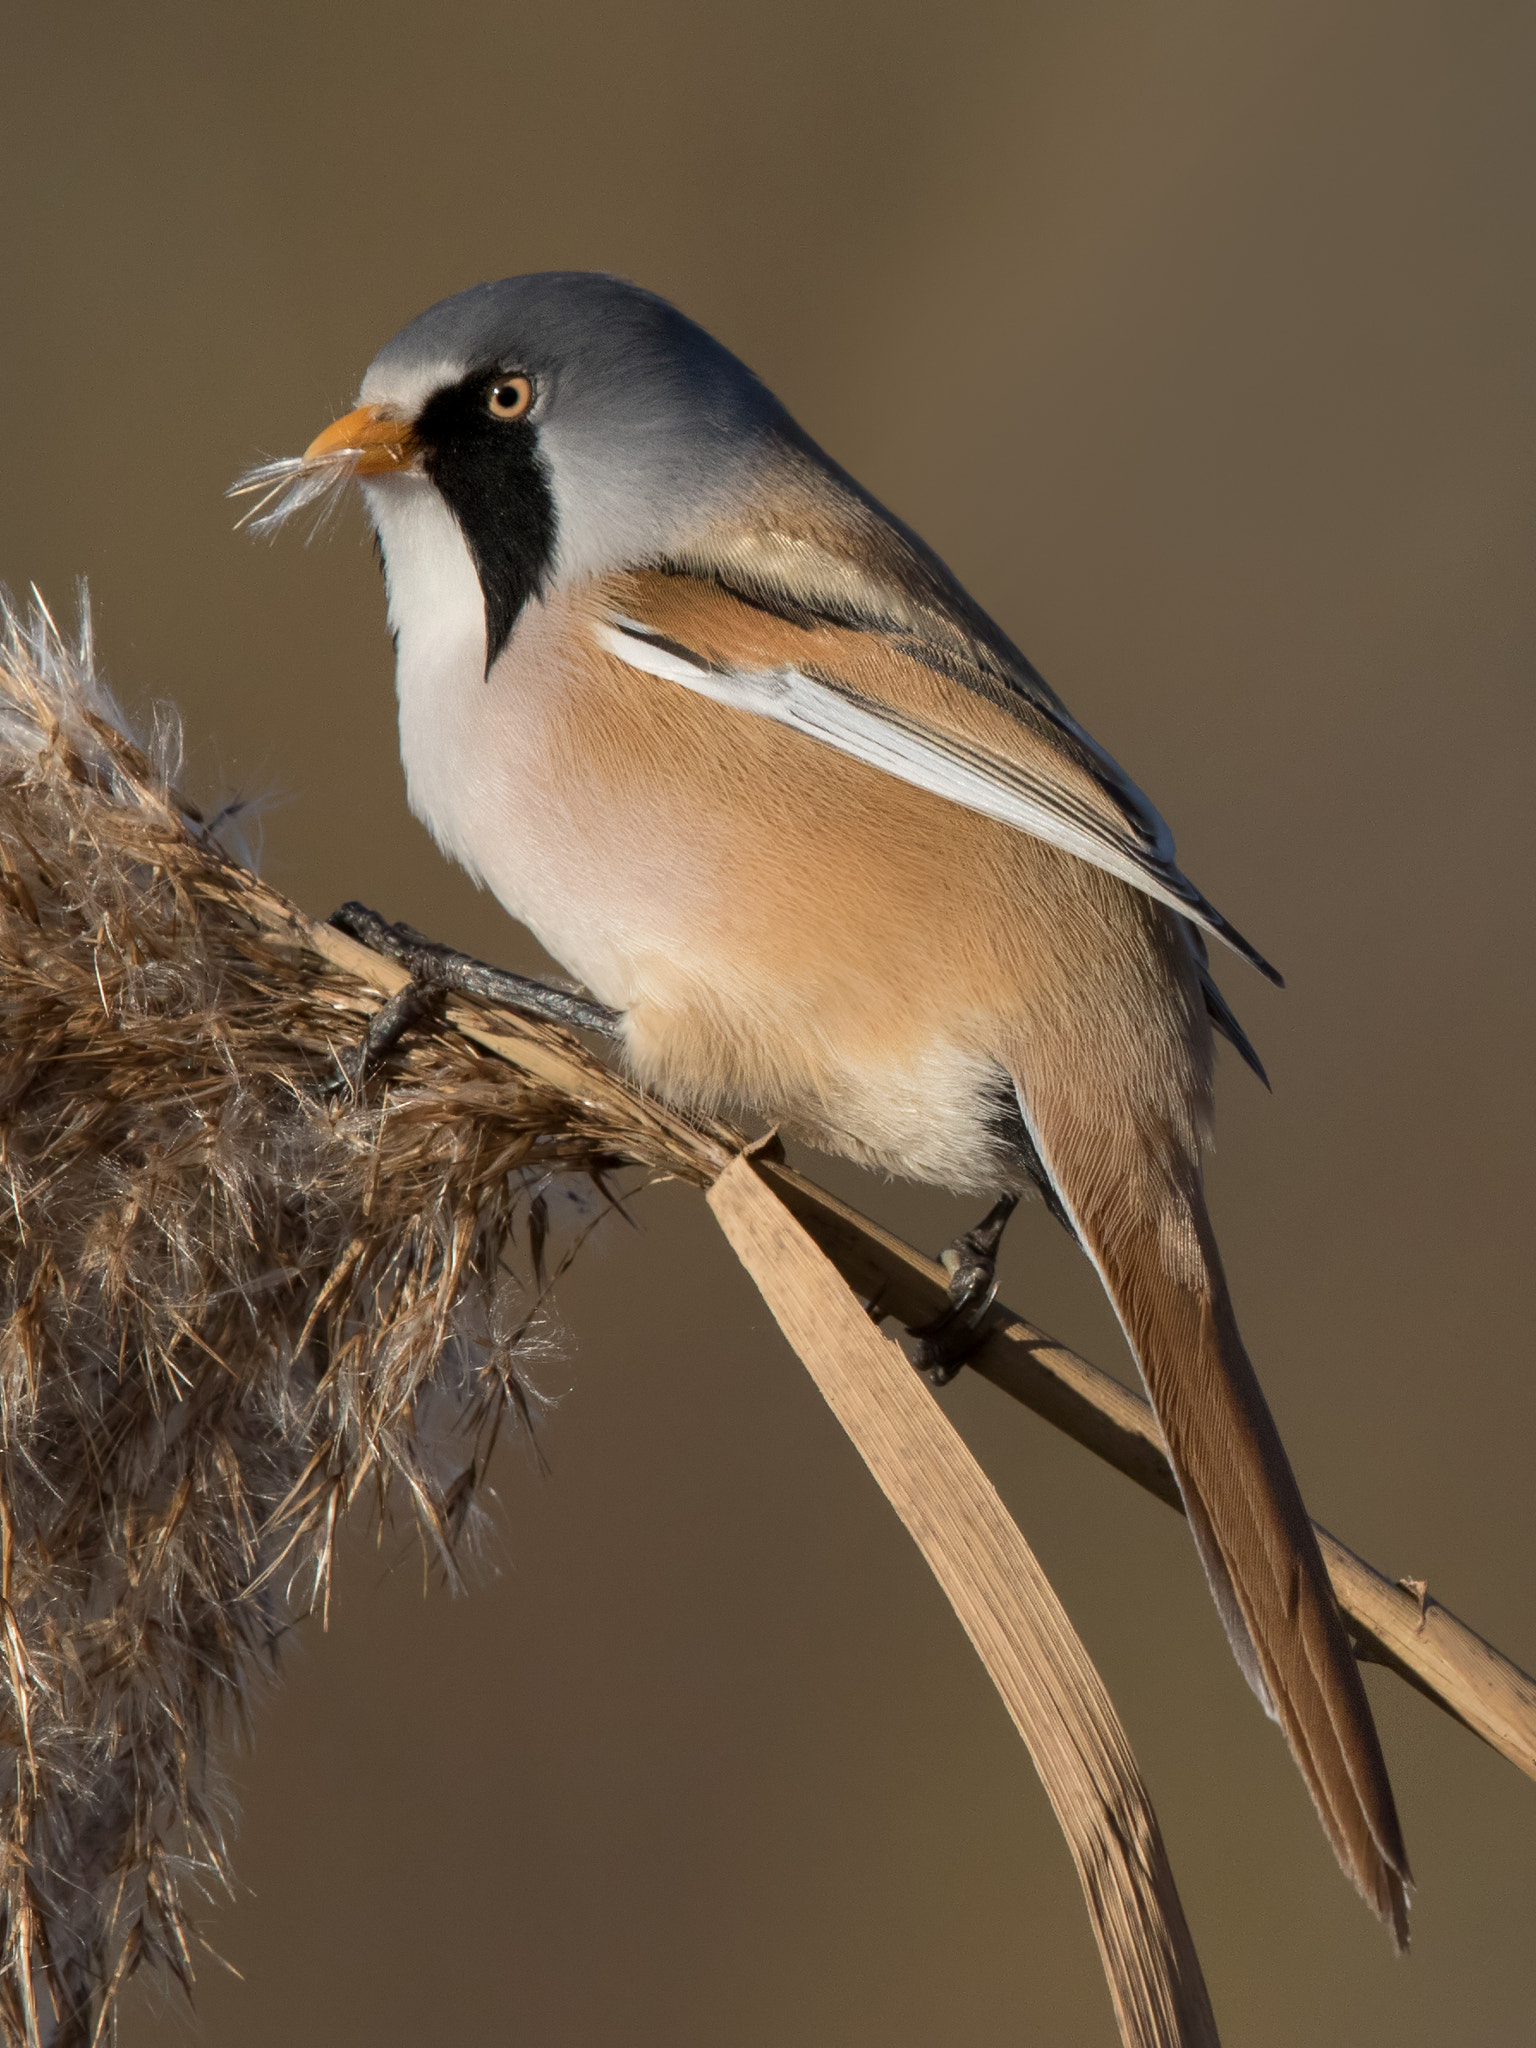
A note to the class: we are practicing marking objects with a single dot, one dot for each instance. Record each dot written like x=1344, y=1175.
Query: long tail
x=1139, y=1210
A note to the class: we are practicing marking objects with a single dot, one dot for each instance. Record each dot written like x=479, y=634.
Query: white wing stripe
x=869, y=734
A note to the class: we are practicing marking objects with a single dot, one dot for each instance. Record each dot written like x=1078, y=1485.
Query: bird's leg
x=971, y=1262
x=436, y=969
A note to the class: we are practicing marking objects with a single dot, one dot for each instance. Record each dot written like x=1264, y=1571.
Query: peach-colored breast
x=784, y=928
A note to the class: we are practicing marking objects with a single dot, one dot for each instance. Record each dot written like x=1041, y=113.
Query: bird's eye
x=510, y=398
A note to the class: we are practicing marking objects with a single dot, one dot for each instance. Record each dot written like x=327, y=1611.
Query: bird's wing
x=885, y=696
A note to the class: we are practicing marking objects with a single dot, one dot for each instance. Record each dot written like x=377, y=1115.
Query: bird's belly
x=786, y=932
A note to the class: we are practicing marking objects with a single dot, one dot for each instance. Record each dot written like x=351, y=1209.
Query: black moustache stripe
x=496, y=484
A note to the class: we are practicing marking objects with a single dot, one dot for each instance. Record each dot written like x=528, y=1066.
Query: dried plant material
x=235, y=1295
x=1019, y=1628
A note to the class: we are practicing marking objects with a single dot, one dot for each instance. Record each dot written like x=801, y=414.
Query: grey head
x=574, y=423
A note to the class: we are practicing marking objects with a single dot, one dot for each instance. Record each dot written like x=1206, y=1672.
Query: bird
x=747, y=759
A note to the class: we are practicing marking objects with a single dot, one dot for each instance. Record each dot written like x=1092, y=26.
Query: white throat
x=437, y=615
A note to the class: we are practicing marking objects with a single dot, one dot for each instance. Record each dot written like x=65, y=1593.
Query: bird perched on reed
x=742, y=753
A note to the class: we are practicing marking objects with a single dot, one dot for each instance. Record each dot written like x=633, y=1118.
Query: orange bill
x=381, y=440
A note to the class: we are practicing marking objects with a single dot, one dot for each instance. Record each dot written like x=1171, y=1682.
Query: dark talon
x=949, y=1340
x=405, y=1009
x=437, y=968
x=392, y=1020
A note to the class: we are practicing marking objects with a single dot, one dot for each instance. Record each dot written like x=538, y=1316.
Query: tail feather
x=1144, y=1223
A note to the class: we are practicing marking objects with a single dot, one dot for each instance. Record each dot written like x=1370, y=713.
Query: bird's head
x=568, y=422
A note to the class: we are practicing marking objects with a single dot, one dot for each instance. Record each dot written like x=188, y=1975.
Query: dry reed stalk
x=239, y=1292
x=1019, y=1628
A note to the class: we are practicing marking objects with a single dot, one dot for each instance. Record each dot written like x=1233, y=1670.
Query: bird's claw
x=400, y=1013
x=945, y=1344
x=948, y=1341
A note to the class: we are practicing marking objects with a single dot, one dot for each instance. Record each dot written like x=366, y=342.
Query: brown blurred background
x=1198, y=338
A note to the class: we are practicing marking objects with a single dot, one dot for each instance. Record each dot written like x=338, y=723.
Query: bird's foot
x=437, y=970
x=405, y=1009
x=948, y=1341
x=410, y=1005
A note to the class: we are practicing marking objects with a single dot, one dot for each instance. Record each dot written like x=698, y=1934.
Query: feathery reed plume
x=288, y=484
x=235, y=1294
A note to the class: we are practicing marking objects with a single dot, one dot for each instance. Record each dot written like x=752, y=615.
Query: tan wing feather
x=912, y=708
